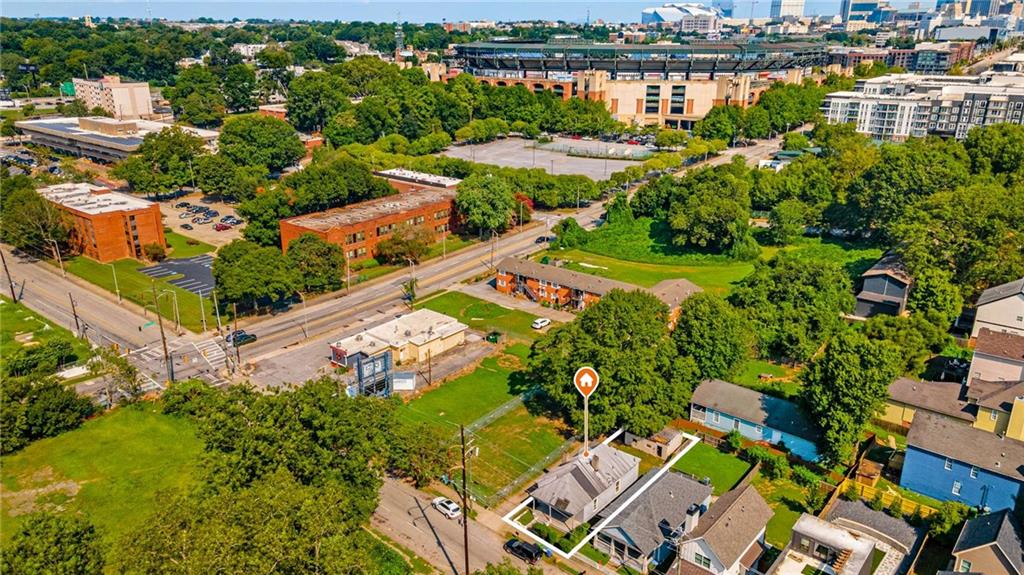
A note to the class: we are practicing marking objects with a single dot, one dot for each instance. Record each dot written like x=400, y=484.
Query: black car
x=186, y=226
x=233, y=335
x=540, y=240
x=526, y=551
x=181, y=205
x=240, y=340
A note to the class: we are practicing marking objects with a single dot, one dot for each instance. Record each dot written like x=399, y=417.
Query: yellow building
x=412, y=338
x=907, y=396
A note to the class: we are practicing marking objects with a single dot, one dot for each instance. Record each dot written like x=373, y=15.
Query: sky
x=377, y=10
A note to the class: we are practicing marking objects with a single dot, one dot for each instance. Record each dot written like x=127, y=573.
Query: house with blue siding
x=949, y=459
x=727, y=407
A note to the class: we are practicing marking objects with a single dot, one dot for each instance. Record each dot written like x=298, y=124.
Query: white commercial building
x=898, y=106
x=124, y=100
x=684, y=17
x=783, y=8
x=411, y=338
x=99, y=138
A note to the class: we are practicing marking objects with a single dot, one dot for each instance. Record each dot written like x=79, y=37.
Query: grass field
x=17, y=319
x=724, y=470
x=110, y=470
x=787, y=500
x=748, y=376
x=180, y=247
x=136, y=286
x=468, y=398
x=483, y=315
x=509, y=446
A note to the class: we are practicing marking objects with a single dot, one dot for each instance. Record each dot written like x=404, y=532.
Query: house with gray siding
x=729, y=407
x=576, y=490
x=884, y=288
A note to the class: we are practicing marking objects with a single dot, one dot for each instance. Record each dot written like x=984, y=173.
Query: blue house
x=949, y=460
x=726, y=406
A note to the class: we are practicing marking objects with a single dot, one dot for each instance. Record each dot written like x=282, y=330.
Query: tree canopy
x=259, y=140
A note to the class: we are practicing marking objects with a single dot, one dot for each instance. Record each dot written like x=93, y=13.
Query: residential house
x=1001, y=308
x=576, y=490
x=950, y=459
x=412, y=338
x=998, y=356
x=644, y=533
x=996, y=383
x=885, y=288
x=726, y=406
x=899, y=540
x=661, y=445
x=992, y=544
x=729, y=538
x=907, y=396
x=822, y=547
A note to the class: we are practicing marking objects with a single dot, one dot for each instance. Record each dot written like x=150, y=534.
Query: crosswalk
x=207, y=356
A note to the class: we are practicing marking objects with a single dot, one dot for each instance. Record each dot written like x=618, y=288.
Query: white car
x=540, y=323
x=447, y=507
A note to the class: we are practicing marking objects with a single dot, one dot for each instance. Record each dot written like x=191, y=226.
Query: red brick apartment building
x=107, y=225
x=423, y=200
x=554, y=285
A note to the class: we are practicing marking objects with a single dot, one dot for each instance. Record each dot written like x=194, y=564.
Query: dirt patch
x=52, y=496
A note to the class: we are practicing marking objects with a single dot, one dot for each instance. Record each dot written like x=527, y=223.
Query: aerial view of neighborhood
x=391, y=287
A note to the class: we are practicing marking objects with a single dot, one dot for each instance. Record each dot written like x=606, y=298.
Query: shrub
x=154, y=252
x=850, y=493
x=876, y=502
x=40, y=359
x=804, y=476
x=192, y=242
x=945, y=525
x=815, y=499
x=773, y=465
x=896, y=507
x=733, y=442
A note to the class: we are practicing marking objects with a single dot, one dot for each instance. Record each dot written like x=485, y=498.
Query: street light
x=56, y=250
x=177, y=317
x=305, y=325
x=116, y=289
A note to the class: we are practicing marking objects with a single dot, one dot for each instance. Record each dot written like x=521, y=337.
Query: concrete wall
x=926, y=473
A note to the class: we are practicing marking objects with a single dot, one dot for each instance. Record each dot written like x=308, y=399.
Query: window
x=501, y=283
x=701, y=560
x=677, y=102
x=736, y=424
x=956, y=487
x=716, y=417
x=759, y=429
x=949, y=464
x=652, y=99
x=595, y=504
x=993, y=415
x=618, y=485
x=440, y=214
x=974, y=472
x=965, y=566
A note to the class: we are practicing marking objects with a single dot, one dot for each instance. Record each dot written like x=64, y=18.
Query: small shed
x=661, y=445
x=869, y=472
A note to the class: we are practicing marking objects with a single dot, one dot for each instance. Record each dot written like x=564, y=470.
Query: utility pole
x=74, y=312
x=465, y=508
x=216, y=310
x=56, y=250
x=163, y=337
x=238, y=351
x=10, y=280
x=202, y=311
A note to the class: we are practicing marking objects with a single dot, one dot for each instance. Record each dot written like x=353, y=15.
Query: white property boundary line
x=510, y=517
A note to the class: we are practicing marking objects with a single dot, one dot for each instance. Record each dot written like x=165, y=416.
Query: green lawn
x=748, y=376
x=180, y=247
x=876, y=559
x=907, y=494
x=16, y=319
x=787, y=500
x=509, y=446
x=702, y=460
x=137, y=287
x=467, y=398
x=371, y=269
x=109, y=470
x=483, y=315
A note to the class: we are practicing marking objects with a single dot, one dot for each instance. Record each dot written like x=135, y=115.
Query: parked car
x=526, y=551
x=184, y=215
x=201, y=220
x=540, y=239
x=196, y=209
x=226, y=219
x=540, y=323
x=245, y=338
x=221, y=227
x=181, y=205
x=447, y=507
x=212, y=213
x=186, y=226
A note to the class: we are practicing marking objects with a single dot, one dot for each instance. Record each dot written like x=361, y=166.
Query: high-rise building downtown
x=783, y=8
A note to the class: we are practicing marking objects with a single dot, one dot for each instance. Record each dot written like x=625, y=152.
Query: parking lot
x=204, y=232
x=519, y=153
x=197, y=273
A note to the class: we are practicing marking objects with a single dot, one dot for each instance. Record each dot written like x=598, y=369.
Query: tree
x=263, y=214
x=318, y=263
x=423, y=456
x=644, y=383
x=786, y=222
x=757, y=123
x=568, y=234
x=154, y=252
x=29, y=222
x=314, y=98
x=619, y=210
x=996, y=149
x=261, y=141
x=486, y=202
x=38, y=406
x=945, y=526
x=258, y=277
x=934, y=296
x=121, y=380
x=163, y=163
x=711, y=332
x=846, y=387
x=794, y=141
x=46, y=543
x=239, y=88
x=915, y=337
x=215, y=174
x=405, y=243
x=720, y=123
x=197, y=97
x=712, y=209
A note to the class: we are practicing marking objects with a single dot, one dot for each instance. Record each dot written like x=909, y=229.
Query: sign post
x=586, y=380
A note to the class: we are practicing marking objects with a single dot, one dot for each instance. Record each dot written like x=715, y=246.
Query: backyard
x=782, y=382
x=787, y=500
x=724, y=470
x=19, y=322
x=109, y=470
x=482, y=315
x=509, y=447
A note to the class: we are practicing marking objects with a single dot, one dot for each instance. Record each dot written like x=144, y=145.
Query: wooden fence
x=869, y=493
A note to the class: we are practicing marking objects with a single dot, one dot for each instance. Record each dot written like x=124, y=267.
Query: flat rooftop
x=91, y=199
x=371, y=209
x=422, y=178
x=417, y=328
x=71, y=128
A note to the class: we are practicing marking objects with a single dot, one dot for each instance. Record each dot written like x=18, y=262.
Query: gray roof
x=996, y=293
x=733, y=522
x=572, y=486
x=563, y=277
x=889, y=265
x=938, y=396
x=995, y=394
x=755, y=407
x=673, y=292
x=858, y=513
x=652, y=517
x=960, y=441
x=1000, y=528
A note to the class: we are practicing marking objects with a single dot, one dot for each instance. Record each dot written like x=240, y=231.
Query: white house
x=1001, y=308
x=729, y=538
x=576, y=490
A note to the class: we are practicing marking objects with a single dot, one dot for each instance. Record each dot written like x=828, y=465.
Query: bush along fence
x=892, y=503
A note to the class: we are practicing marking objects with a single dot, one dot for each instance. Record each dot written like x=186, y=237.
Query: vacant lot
x=723, y=469
x=509, y=447
x=21, y=323
x=519, y=153
x=483, y=315
x=109, y=470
